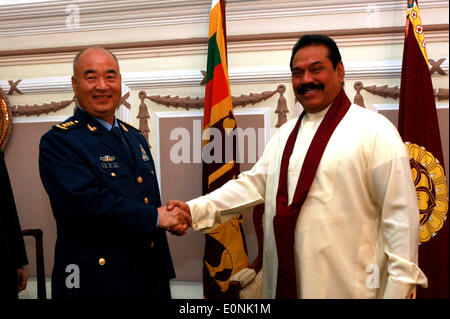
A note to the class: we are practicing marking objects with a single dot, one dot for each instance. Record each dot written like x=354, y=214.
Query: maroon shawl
x=286, y=215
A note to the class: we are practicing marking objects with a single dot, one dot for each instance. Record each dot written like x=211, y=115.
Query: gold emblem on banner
x=431, y=189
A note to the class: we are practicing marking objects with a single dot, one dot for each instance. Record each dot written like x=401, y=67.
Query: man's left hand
x=22, y=278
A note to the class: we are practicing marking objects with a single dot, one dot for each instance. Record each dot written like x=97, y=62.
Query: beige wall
x=162, y=50
x=31, y=199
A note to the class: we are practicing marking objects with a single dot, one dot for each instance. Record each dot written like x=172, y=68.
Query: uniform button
x=153, y=173
x=139, y=179
x=101, y=261
x=113, y=174
x=146, y=200
x=152, y=245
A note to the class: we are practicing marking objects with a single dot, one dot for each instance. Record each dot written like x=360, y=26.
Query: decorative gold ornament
x=431, y=189
x=5, y=121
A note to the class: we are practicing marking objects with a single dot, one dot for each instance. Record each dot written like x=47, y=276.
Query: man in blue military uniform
x=100, y=177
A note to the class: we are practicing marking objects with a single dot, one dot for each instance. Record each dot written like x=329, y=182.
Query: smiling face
x=97, y=83
x=315, y=81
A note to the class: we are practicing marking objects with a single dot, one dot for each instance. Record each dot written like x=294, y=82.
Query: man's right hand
x=175, y=220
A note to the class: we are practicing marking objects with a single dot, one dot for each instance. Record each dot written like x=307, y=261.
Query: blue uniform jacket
x=105, y=205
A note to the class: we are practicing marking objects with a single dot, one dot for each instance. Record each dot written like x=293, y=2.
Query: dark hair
x=77, y=57
x=318, y=39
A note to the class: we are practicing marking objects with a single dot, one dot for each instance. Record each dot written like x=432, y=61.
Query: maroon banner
x=419, y=128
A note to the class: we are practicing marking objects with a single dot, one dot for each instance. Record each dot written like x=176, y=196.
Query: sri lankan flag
x=225, y=247
x=218, y=113
x=419, y=128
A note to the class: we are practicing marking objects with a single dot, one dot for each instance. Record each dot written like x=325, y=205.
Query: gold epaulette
x=67, y=125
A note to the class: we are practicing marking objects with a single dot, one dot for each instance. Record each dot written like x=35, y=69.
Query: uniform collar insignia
x=107, y=158
x=92, y=128
x=124, y=127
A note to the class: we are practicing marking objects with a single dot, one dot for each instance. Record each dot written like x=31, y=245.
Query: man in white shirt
x=352, y=223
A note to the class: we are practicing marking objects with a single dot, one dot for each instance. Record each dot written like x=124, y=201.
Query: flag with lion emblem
x=418, y=125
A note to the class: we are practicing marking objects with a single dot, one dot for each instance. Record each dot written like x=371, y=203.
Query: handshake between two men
x=175, y=217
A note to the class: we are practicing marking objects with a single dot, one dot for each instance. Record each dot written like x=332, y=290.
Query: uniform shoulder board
x=125, y=126
x=67, y=125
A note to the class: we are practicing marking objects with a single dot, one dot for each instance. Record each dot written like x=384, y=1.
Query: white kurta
x=357, y=232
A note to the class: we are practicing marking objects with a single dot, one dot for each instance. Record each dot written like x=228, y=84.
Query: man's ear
x=74, y=85
x=340, y=71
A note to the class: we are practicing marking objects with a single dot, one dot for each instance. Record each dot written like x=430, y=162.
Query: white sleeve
x=390, y=178
x=244, y=192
